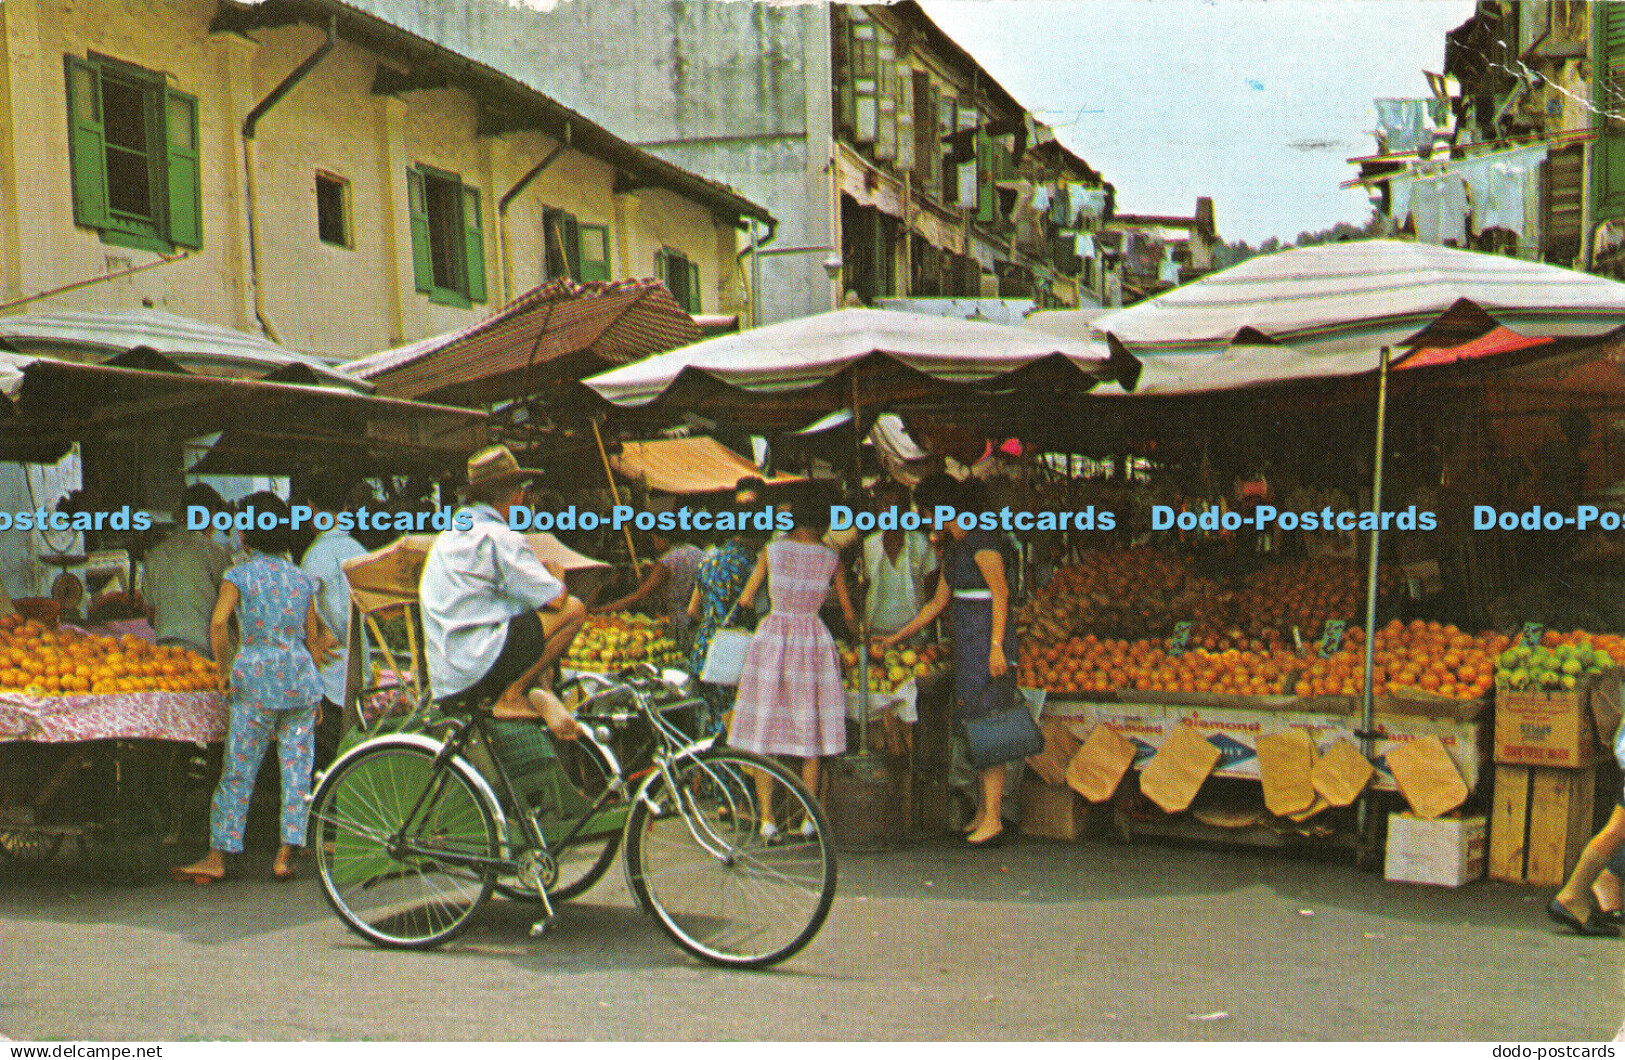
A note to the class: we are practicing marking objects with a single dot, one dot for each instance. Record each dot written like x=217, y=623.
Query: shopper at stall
x=272, y=689
x=897, y=566
x=323, y=565
x=790, y=697
x=180, y=580
x=495, y=617
x=669, y=584
x=975, y=591
x=721, y=574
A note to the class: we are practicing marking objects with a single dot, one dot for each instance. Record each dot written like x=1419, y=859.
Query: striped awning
x=556, y=333
x=1326, y=312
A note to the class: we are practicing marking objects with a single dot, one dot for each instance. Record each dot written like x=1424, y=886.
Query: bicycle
x=413, y=832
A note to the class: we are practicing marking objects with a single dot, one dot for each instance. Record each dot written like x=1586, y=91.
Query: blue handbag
x=1004, y=736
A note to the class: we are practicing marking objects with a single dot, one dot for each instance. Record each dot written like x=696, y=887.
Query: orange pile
x=1431, y=657
x=1087, y=664
x=1407, y=658
x=38, y=661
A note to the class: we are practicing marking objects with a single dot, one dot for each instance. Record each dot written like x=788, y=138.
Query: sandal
x=181, y=874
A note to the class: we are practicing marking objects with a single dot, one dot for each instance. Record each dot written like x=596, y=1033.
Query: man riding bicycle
x=495, y=617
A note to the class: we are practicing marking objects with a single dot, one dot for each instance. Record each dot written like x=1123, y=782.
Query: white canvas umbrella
x=787, y=374
x=1328, y=311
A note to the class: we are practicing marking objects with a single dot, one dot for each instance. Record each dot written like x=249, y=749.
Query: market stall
x=1300, y=351
x=862, y=363
x=100, y=729
x=1261, y=388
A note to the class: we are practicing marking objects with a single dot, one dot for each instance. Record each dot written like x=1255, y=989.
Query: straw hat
x=495, y=466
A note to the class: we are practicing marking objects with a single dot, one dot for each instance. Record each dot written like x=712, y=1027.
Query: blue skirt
x=976, y=693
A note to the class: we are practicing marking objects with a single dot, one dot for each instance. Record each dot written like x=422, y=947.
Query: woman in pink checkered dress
x=790, y=697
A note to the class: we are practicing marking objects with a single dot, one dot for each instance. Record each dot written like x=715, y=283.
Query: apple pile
x=612, y=641
x=892, y=668
x=1559, y=662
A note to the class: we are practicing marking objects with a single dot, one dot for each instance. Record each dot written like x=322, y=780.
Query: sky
x=1257, y=103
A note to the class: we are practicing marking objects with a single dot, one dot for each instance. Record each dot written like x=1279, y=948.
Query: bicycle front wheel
x=404, y=853
x=696, y=858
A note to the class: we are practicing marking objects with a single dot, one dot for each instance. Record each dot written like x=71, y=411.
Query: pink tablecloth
x=190, y=717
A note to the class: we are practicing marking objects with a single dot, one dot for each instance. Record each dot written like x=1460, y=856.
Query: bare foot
x=283, y=868
x=560, y=722
x=211, y=867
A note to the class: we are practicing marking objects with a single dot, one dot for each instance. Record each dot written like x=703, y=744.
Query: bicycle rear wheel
x=562, y=789
x=418, y=893
x=696, y=859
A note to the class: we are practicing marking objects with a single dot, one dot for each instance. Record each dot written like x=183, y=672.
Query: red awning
x=559, y=332
x=1501, y=340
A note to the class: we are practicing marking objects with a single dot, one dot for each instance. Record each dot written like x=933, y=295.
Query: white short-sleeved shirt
x=896, y=589
x=473, y=582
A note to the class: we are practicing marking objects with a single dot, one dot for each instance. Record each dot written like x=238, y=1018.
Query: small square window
x=333, y=210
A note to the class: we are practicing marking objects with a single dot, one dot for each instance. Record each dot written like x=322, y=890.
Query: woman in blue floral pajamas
x=274, y=690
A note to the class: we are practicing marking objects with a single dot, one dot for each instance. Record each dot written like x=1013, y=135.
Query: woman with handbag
x=721, y=573
x=975, y=591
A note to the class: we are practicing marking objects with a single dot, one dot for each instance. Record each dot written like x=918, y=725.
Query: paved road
x=1039, y=941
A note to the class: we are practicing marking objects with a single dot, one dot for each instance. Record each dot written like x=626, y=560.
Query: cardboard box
x=1446, y=851
x=1551, y=729
x=1060, y=744
x=1540, y=822
x=1053, y=811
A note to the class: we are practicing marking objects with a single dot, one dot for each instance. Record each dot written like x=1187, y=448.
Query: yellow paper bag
x=1176, y=772
x=1099, y=765
x=1427, y=777
x=1059, y=746
x=1285, y=761
x=1341, y=773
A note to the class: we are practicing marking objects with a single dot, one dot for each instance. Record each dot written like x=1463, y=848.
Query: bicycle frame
x=449, y=753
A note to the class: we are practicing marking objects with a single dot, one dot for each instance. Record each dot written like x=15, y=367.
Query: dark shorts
x=523, y=645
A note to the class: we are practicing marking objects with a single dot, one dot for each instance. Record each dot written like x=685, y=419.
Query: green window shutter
x=572, y=247
x=986, y=211
x=87, y=153
x=184, y=171
x=693, y=287
x=417, y=209
x=474, y=244
x=1608, y=153
x=594, y=252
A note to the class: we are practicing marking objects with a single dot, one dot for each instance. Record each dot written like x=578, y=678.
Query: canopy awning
x=555, y=333
x=57, y=403
x=686, y=465
x=94, y=336
x=1326, y=312
x=784, y=375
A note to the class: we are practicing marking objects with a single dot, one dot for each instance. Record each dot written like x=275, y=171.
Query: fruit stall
x=88, y=730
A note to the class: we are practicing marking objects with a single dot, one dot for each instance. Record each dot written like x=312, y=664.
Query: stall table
x=1234, y=724
x=99, y=768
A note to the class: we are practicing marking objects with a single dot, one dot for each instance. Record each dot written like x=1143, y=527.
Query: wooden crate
x=1542, y=819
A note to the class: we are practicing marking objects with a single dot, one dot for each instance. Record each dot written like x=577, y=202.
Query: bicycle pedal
x=538, y=929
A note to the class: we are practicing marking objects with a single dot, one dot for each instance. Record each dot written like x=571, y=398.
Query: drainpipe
x=504, y=251
x=757, y=248
x=251, y=157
